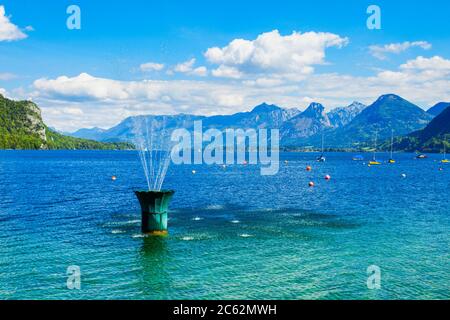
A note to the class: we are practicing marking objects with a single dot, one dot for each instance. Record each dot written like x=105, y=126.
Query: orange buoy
x=308, y=168
x=311, y=184
x=327, y=177
x=113, y=178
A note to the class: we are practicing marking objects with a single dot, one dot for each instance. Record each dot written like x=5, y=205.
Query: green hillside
x=21, y=127
x=57, y=141
x=430, y=139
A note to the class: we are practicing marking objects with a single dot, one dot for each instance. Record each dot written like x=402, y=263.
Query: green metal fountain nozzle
x=154, y=207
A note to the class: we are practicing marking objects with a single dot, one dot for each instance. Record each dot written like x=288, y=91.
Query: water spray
x=153, y=143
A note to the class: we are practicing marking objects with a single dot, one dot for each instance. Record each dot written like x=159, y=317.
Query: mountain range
x=346, y=127
x=350, y=127
x=294, y=125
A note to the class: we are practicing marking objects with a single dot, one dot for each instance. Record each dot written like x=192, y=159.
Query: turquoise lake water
x=234, y=234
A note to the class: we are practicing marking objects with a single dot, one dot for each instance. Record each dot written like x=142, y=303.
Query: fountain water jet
x=153, y=143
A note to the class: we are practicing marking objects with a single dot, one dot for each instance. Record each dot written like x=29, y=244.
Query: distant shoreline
x=281, y=151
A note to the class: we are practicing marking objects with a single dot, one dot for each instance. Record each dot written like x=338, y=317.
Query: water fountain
x=152, y=140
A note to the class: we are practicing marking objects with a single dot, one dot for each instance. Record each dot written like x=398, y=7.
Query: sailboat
x=374, y=161
x=445, y=160
x=421, y=156
x=322, y=157
x=391, y=159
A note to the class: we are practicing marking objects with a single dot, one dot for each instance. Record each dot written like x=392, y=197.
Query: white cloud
x=200, y=71
x=8, y=30
x=419, y=73
x=151, y=66
x=264, y=82
x=421, y=63
x=271, y=52
x=380, y=52
x=3, y=92
x=65, y=111
x=227, y=72
x=187, y=67
x=83, y=86
x=422, y=80
x=7, y=76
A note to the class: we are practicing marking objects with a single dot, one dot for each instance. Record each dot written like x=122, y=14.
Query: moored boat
x=374, y=161
x=391, y=159
x=321, y=158
x=444, y=159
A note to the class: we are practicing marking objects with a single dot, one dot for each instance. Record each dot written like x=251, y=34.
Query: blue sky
x=77, y=76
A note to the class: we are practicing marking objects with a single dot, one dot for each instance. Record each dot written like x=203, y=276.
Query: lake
x=234, y=234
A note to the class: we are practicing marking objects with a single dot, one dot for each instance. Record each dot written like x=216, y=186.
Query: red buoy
x=311, y=184
x=308, y=168
x=327, y=177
